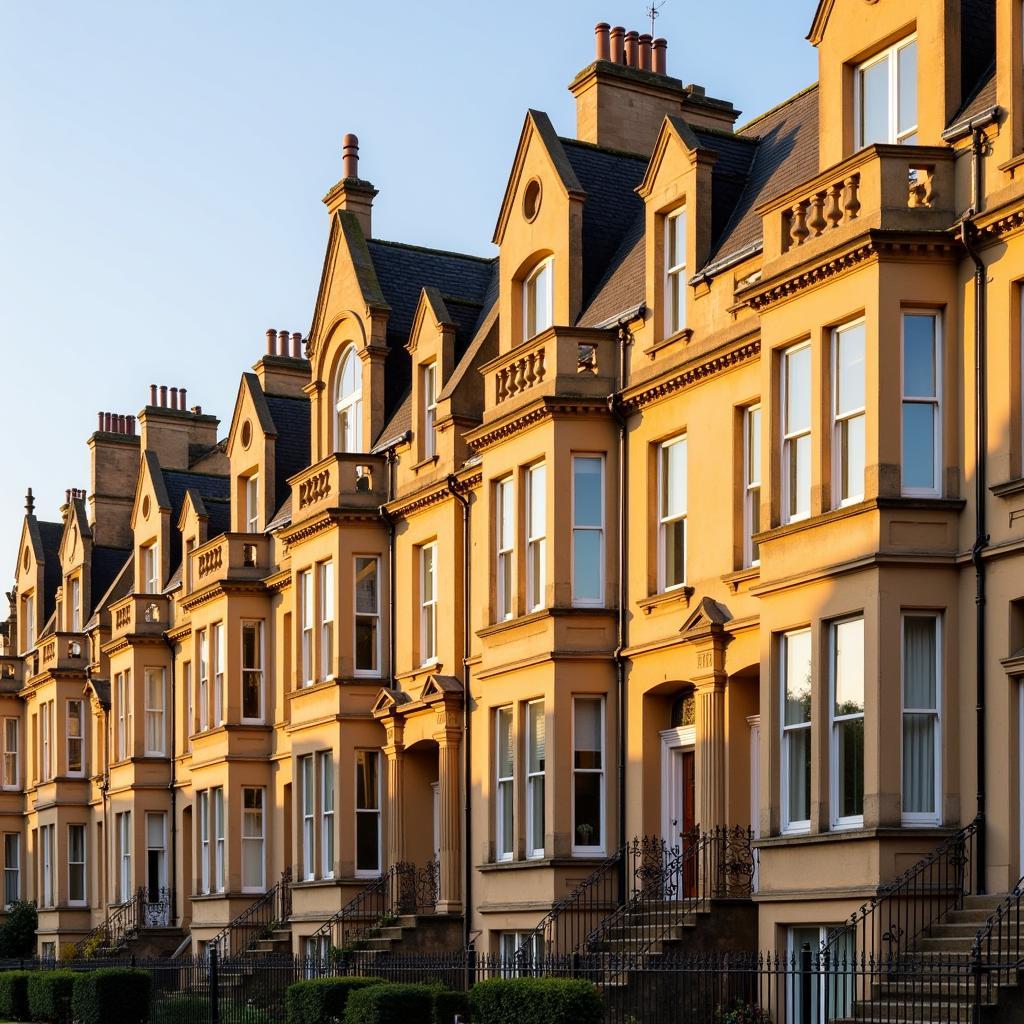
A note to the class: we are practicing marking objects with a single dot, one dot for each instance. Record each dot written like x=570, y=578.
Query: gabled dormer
x=151, y=527
x=37, y=576
x=896, y=71
x=75, y=551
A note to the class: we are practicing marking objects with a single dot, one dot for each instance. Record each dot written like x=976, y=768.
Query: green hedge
x=448, y=1004
x=536, y=1001
x=185, y=1008
x=319, y=999
x=14, y=995
x=390, y=1004
x=49, y=996
x=112, y=995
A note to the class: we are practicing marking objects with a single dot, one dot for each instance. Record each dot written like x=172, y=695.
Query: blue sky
x=163, y=165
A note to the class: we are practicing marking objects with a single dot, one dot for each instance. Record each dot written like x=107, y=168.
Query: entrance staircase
x=142, y=926
x=263, y=928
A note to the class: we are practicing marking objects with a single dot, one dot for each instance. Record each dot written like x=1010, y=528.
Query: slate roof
x=983, y=98
x=214, y=489
x=622, y=287
x=977, y=45
x=107, y=564
x=50, y=535
x=282, y=517
x=291, y=451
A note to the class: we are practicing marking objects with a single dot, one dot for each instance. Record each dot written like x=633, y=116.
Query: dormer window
x=538, y=301
x=429, y=410
x=348, y=404
x=885, y=97
x=28, y=612
x=675, y=272
x=150, y=570
x=252, y=503
x=76, y=605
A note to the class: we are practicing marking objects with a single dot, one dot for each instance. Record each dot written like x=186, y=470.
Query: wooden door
x=688, y=793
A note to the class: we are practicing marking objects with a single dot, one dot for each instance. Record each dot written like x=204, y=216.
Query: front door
x=687, y=799
x=157, y=904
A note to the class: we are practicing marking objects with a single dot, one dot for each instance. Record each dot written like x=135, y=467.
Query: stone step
x=944, y=944
x=954, y=930
x=988, y=902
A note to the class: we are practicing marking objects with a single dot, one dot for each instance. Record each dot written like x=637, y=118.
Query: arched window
x=538, y=298
x=348, y=403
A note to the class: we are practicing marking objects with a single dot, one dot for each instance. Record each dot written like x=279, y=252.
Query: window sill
x=542, y=862
x=684, y=335
x=1008, y=488
x=734, y=580
x=430, y=460
x=842, y=835
x=666, y=599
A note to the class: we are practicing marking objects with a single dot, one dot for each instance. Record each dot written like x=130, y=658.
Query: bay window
x=885, y=96
x=252, y=671
x=253, y=871
x=922, y=742
x=672, y=502
x=505, y=784
x=535, y=773
x=428, y=603
x=155, y=702
x=536, y=537
x=922, y=421
x=796, y=433
x=75, y=737
x=538, y=299
x=588, y=775
x=504, y=533
x=588, y=530
x=847, y=747
x=367, y=813
x=751, y=484
x=796, y=730
x=367, y=625
x=848, y=418
x=675, y=272
x=76, y=865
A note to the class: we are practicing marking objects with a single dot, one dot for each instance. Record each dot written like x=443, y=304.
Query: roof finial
x=30, y=503
x=652, y=12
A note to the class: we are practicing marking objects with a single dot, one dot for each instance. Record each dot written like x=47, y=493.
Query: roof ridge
x=778, y=106
x=603, y=149
x=432, y=250
x=700, y=129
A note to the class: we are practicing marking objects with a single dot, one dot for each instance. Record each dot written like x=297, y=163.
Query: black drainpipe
x=389, y=454
x=976, y=129
x=173, y=886
x=467, y=718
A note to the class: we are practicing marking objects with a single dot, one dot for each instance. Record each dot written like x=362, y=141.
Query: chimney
x=113, y=471
x=174, y=434
x=280, y=371
x=603, y=48
x=296, y=345
x=622, y=99
x=352, y=193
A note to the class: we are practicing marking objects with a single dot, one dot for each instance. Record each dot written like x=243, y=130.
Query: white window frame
x=203, y=680
x=428, y=604
x=803, y=825
x=253, y=671
x=46, y=838
x=156, y=717
x=534, y=780
x=325, y=617
x=76, y=605
x=70, y=738
x=586, y=602
x=11, y=775
x=12, y=868
x=667, y=519
x=373, y=617
x=578, y=849
x=29, y=615
x=350, y=406
x=917, y=819
x=790, y=439
x=218, y=644
x=252, y=503
x=190, y=545
x=124, y=840
x=894, y=134
x=45, y=742
x=218, y=838
x=190, y=724
x=675, y=274
x=504, y=831
x=544, y=271
x=509, y=942
x=841, y=419
x=307, y=777
x=305, y=608
x=203, y=816
x=935, y=402
x=504, y=544
x=428, y=379
x=376, y=811
x=151, y=569
x=326, y=759
x=80, y=865
x=751, y=484
x=250, y=814
x=536, y=536
x=836, y=722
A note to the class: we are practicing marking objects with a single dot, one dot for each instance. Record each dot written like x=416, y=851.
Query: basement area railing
x=145, y=908
x=997, y=954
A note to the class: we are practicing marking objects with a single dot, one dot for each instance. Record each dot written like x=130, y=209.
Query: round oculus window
x=145, y=507
x=246, y=434
x=531, y=199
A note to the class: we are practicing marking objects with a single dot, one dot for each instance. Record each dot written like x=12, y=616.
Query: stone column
x=711, y=755
x=394, y=751
x=449, y=790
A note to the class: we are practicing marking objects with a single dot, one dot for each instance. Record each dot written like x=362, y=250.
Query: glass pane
x=798, y=391
x=919, y=764
x=800, y=476
x=536, y=573
x=366, y=644
x=852, y=442
x=850, y=369
x=538, y=488
x=918, y=356
x=367, y=785
x=506, y=823
x=797, y=653
x=850, y=755
x=920, y=684
x=76, y=843
x=155, y=831
x=919, y=446
x=587, y=739
x=154, y=691
x=675, y=553
x=587, y=491
x=367, y=828
x=754, y=446
x=673, y=479
x=366, y=586
x=252, y=863
x=587, y=809
x=505, y=761
x=536, y=838
x=250, y=646
x=428, y=572
x=874, y=103
x=848, y=638
x=543, y=288
x=586, y=565
x=906, y=71
x=677, y=239
x=799, y=747
x=535, y=711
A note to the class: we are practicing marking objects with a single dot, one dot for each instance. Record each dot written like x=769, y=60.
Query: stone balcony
x=63, y=652
x=239, y=556
x=574, y=362
x=139, y=614
x=887, y=187
x=342, y=481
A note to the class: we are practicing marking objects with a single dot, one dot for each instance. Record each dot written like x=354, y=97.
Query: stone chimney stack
x=352, y=193
x=114, y=467
x=175, y=434
x=283, y=370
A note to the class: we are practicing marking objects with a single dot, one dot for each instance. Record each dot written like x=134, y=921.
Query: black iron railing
x=997, y=954
x=145, y=908
x=402, y=889
x=257, y=921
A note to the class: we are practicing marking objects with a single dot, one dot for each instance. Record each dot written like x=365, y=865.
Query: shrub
x=112, y=995
x=14, y=995
x=319, y=999
x=448, y=1004
x=49, y=996
x=390, y=1004
x=536, y=1001
x=18, y=932
x=741, y=1012
x=183, y=1008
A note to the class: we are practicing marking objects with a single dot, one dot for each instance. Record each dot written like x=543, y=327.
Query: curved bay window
x=348, y=403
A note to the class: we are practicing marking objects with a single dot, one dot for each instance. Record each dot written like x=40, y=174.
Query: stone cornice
x=221, y=589
x=549, y=408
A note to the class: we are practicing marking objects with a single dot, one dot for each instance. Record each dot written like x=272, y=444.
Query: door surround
x=682, y=738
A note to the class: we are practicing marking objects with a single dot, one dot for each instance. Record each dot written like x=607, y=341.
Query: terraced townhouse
x=695, y=512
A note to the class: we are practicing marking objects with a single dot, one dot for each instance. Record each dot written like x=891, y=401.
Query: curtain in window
x=920, y=720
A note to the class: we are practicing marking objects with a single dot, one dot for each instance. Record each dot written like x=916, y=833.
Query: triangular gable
x=471, y=355
x=821, y=16
x=30, y=544
x=430, y=310
x=536, y=126
x=673, y=129
x=250, y=392
x=193, y=505
x=345, y=242
x=151, y=478
x=76, y=524
x=708, y=617
x=438, y=686
x=388, y=700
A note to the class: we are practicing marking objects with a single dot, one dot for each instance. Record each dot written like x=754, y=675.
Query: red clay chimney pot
x=350, y=156
x=615, y=44
x=632, y=46
x=296, y=345
x=152, y=394
x=271, y=339
x=174, y=398
x=181, y=399
x=131, y=425
x=99, y=421
x=163, y=396
x=601, y=41
x=645, y=52
x=660, y=46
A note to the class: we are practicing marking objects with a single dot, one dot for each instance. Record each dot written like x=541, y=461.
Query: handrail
x=997, y=953
x=271, y=908
x=125, y=921
x=559, y=930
